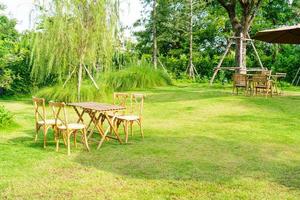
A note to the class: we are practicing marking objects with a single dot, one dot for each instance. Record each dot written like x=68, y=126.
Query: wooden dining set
x=258, y=82
x=93, y=117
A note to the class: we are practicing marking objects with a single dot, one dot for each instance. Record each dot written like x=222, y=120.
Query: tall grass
x=137, y=77
x=129, y=78
x=69, y=93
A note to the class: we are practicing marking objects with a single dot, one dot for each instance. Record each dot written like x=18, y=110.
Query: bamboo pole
x=220, y=63
x=255, y=50
x=91, y=77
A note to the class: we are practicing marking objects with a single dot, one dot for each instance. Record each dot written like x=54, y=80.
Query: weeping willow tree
x=75, y=37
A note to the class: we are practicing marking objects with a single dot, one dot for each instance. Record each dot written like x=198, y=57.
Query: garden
x=87, y=113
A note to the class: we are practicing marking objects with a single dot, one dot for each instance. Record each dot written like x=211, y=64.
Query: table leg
x=92, y=115
x=80, y=115
x=111, y=126
x=93, y=120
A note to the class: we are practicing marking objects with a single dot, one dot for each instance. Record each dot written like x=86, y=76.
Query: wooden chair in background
x=135, y=115
x=66, y=128
x=277, y=82
x=267, y=73
x=41, y=121
x=262, y=82
x=240, y=81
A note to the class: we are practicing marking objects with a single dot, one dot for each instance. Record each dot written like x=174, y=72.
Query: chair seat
x=240, y=85
x=112, y=114
x=261, y=86
x=128, y=117
x=49, y=122
x=74, y=126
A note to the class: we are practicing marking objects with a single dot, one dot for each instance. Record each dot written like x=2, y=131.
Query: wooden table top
x=273, y=75
x=102, y=107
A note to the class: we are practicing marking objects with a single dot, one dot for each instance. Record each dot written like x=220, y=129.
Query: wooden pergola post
x=242, y=69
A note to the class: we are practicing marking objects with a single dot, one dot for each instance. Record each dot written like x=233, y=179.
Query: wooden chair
x=240, y=81
x=41, y=121
x=135, y=115
x=277, y=81
x=268, y=73
x=120, y=99
x=66, y=128
x=262, y=82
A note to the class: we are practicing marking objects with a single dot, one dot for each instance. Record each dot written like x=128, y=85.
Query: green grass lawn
x=200, y=143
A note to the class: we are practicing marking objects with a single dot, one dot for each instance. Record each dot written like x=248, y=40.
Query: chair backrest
x=39, y=109
x=260, y=79
x=59, y=113
x=267, y=73
x=120, y=99
x=137, y=104
x=239, y=79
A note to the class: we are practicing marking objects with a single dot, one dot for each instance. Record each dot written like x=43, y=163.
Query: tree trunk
x=240, y=52
x=79, y=80
x=154, y=35
x=191, y=66
x=241, y=26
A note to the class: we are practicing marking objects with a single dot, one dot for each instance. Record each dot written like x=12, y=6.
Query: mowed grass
x=200, y=143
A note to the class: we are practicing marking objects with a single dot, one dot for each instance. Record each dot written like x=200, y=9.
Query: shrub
x=137, y=77
x=125, y=79
x=6, y=118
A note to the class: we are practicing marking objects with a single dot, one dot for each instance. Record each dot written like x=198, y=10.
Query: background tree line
x=67, y=48
x=211, y=29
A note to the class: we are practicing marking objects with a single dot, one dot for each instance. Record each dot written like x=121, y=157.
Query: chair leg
x=57, y=141
x=118, y=124
x=45, y=135
x=271, y=91
x=84, y=132
x=68, y=138
x=36, y=132
x=75, y=141
x=64, y=138
x=131, y=128
x=141, y=128
x=126, y=131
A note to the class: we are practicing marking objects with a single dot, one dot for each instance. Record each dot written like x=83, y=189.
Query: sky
x=130, y=11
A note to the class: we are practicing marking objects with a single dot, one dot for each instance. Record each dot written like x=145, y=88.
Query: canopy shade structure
x=284, y=35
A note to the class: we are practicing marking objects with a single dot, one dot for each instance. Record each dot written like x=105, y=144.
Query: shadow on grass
x=27, y=141
x=195, y=158
x=280, y=105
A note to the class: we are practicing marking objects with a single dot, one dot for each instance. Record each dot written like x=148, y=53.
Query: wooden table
x=98, y=112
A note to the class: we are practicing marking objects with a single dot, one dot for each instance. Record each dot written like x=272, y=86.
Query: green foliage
x=8, y=42
x=212, y=28
x=6, y=118
x=21, y=69
x=137, y=77
x=14, y=59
